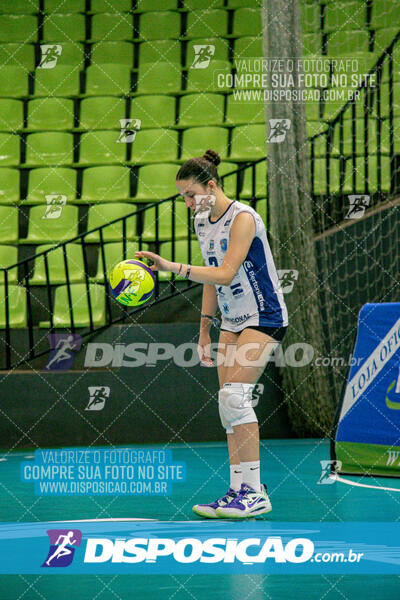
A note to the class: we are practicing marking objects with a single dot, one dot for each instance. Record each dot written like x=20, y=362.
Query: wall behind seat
x=146, y=404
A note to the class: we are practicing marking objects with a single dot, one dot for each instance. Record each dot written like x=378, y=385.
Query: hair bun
x=212, y=157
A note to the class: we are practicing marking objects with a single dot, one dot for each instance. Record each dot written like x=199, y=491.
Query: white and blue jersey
x=255, y=296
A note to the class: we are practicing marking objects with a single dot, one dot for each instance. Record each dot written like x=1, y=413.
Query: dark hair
x=201, y=168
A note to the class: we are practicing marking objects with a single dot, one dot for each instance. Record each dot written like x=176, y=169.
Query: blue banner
x=199, y=547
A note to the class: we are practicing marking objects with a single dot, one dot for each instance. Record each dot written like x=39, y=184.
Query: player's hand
x=203, y=349
x=159, y=263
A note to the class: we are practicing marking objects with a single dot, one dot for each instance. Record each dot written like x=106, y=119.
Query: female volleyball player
x=241, y=278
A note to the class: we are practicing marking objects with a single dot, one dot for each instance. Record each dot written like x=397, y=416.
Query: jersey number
x=236, y=287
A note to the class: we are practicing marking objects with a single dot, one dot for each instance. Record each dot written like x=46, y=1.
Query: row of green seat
x=149, y=146
x=105, y=112
x=116, y=6
x=55, y=223
x=113, y=183
x=160, y=25
x=153, y=111
x=348, y=15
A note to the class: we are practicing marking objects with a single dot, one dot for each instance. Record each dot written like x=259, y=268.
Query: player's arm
x=241, y=236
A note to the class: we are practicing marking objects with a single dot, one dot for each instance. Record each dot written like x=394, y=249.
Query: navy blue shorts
x=277, y=333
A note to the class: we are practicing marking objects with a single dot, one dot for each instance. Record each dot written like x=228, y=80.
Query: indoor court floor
x=290, y=468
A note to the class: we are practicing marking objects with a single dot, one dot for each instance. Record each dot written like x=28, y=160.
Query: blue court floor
x=290, y=468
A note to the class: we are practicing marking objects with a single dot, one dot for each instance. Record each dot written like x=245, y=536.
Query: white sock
x=251, y=474
x=236, y=477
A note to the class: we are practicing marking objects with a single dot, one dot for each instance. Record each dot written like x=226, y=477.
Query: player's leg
x=252, y=353
x=226, y=347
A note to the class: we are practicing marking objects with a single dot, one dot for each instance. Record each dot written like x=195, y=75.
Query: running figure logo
x=279, y=128
x=62, y=547
x=50, y=55
x=358, y=204
x=98, y=396
x=55, y=204
x=129, y=129
x=63, y=346
x=203, y=53
x=287, y=277
x=328, y=467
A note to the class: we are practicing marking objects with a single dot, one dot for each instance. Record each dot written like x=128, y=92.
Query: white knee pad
x=236, y=405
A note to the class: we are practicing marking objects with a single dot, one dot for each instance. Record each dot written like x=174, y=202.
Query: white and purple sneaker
x=209, y=510
x=248, y=503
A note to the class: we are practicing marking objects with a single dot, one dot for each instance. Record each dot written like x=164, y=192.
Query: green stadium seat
x=153, y=111
x=8, y=257
x=102, y=112
x=212, y=22
x=49, y=148
x=164, y=222
x=261, y=182
x=212, y=79
x=310, y=15
x=17, y=55
x=221, y=48
x=56, y=265
x=312, y=108
x=9, y=144
x=80, y=306
x=156, y=182
x=11, y=114
x=13, y=82
x=181, y=255
x=247, y=21
x=198, y=4
x=163, y=25
x=385, y=100
x=43, y=230
x=9, y=185
x=384, y=12
x=249, y=142
x=112, y=27
x=49, y=180
x=59, y=28
x=196, y=140
x=168, y=51
x=9, y=225
x=248, y=47
x=240, y=112
x=155, y=5
x=18, y=28
x=61, y=81
x=230, y=182
x=105, y=184
x=113, y=254
x=159, y=78
x=20, y=7
x=16, y=307
x=319, y=181
x=45, y=114
x=103, y=80
x=101, y=214
x=342, y=16
x=101, y=147
x=361, y=175
x=110, y=6
x=341, y=43
x=154, y=146
x=64, y=6
x=105, y=53
x=193, y=107
x=312, y=43
x=384, y=37
x=244, y=3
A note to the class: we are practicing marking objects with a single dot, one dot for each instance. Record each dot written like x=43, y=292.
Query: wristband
x=187, y=272
x=214, y=320
x=180, y=269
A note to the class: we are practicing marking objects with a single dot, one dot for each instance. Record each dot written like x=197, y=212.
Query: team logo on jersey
x=211, y=247
x=225, y=308
x=224, y=244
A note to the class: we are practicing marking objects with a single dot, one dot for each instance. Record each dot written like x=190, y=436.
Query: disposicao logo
x=62, y=547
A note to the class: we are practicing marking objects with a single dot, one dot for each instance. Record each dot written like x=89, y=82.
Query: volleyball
x=132, y=282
